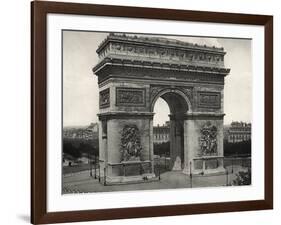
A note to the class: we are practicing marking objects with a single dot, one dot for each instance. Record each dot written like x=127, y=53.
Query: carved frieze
x=209, y=100
x=104, y=100
x=130, y=96
x=130, y=143
x=174, y=54
x=208, y=139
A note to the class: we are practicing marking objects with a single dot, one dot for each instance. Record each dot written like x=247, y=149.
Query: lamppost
x=226, y=177
x=159, y=172
x=190, y=174
x=95, y=167
x=231, y=165
x=89, y=160
x=104, y=176
x=99, y=172
x=166, y=155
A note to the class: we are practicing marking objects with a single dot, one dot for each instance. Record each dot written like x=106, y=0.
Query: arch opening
x=168, y=136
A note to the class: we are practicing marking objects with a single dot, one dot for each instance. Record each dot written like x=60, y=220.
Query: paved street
x=82, y=182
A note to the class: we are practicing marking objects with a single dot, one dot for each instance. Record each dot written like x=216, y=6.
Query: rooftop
x=149, y=40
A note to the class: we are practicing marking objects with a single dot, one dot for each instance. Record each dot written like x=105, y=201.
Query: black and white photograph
x=155, y=111
x=120, y=112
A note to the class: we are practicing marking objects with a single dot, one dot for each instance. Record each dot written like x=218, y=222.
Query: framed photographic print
x=144, y=112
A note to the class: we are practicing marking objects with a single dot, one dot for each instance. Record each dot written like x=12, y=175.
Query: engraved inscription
x=130, y=96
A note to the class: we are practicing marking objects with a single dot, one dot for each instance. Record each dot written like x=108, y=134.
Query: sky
x=80, y=87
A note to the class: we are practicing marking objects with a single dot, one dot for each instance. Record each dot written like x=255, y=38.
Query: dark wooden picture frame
x=39, y=11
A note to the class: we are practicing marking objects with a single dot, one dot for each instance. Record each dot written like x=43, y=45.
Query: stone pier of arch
x=133, y=72
x=185, y=145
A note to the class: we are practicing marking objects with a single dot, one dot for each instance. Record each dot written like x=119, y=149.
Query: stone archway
x=133, y=72
x=179, y=105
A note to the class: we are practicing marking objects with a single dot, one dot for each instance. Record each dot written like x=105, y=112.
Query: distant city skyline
x=80, y=86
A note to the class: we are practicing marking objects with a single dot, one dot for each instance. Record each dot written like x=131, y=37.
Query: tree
x=70, y=149
x=243, y=178
x=240, y=148
x=162, y=148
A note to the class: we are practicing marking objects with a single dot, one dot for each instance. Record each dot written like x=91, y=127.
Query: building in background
x=86, y=133
x=237, y=132
x=161, y=134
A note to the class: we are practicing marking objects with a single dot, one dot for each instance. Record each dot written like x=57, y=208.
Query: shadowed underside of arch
x=177, y=101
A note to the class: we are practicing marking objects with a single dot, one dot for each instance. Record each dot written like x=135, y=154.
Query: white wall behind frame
x=15, y=110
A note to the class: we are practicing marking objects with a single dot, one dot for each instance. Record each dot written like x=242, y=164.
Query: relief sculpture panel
x=208, y=139
x=209, y=100
x=130, y=96
x=104, y=99
x=130, y=147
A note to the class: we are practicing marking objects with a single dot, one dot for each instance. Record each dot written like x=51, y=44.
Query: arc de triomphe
x=133, y=72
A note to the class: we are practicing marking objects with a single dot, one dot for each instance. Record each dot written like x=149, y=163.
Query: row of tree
x=239, y=148
x=77, y=147
x=230, y=149
x=162, y=148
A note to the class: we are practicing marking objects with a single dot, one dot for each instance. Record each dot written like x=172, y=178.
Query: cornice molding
x=125, y=62
x=124, y=115
x=198, y=116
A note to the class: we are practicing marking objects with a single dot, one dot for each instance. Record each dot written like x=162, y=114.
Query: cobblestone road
x=82, y=182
